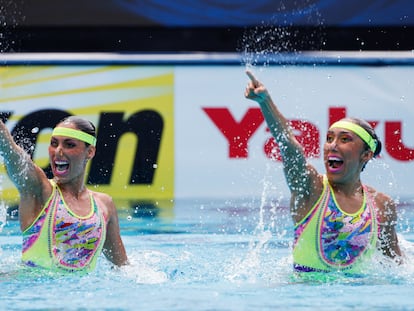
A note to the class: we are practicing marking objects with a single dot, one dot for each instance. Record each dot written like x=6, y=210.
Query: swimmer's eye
x=345, y=138
x=70, y=144
x=67, y=143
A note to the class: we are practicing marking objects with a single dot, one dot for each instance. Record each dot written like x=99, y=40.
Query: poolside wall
x=171, y=128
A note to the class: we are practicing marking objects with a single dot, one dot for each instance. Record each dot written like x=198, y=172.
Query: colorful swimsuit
x=61, y=240
x=329, y=239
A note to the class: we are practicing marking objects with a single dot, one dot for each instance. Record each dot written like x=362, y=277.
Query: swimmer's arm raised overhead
x=26, y=176
x=298, y=173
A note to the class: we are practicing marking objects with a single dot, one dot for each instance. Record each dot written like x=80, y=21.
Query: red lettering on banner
x=394, y=144
x=236, y=133
x=336, y=114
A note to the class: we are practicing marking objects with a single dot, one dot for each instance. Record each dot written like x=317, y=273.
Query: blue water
x=207, y=255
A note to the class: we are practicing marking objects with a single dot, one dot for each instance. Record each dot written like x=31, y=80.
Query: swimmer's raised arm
x=26, y=175
x=298, y=173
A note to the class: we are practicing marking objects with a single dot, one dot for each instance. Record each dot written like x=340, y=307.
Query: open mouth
x=335, y=163
x=61, y=166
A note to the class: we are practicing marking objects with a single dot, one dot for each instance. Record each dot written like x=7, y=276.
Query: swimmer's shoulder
x=385, y=204
x=379, y=197
x=104, y=202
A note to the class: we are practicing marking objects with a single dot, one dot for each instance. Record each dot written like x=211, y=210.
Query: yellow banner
x=131, y=106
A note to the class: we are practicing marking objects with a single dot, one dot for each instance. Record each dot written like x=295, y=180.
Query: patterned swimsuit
x=330, y=239
x=61, y=240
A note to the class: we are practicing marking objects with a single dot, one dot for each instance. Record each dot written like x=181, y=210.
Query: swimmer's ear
x=367, y=155
x=91, y=152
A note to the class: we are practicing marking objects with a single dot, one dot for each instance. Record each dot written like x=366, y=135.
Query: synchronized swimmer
x=65, y=225
x=339, y=221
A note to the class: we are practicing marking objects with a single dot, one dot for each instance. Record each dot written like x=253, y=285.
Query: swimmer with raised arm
x=65, y=225
x=338, y=221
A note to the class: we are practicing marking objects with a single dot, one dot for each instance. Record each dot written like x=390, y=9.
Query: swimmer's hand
x=252, y=78
x=255, y=90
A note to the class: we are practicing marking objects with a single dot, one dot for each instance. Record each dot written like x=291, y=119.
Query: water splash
x=262, y=45
x=248, y=269
x=3, y=215
x=145, y=268
x=10, y=17
x=266, y=43
x=3, y=208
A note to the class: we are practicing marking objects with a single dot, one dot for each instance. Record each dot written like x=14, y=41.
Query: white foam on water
x=144, y=267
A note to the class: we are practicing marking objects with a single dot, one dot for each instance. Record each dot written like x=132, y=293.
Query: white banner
x=205, y=164
x=212, y=143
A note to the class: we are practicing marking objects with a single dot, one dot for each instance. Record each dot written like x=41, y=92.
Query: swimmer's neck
x=75, y=188
x=348, y=189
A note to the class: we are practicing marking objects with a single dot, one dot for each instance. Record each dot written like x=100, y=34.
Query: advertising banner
x=224, y=148
x=132, y=108
x=186, y=131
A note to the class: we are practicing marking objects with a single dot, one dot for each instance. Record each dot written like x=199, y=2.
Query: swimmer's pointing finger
x=255, y=90
x=252, y=78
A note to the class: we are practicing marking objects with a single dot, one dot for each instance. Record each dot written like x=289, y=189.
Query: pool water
x=207, y=255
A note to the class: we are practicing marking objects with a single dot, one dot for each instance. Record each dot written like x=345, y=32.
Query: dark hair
x=366, y=126
x=81, y=124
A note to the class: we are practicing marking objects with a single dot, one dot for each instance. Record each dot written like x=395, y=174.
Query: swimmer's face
x=344, y=153
x=68, y=156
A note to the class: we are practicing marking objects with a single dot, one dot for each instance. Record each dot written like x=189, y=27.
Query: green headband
x=359, y=130
x=69, y=132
